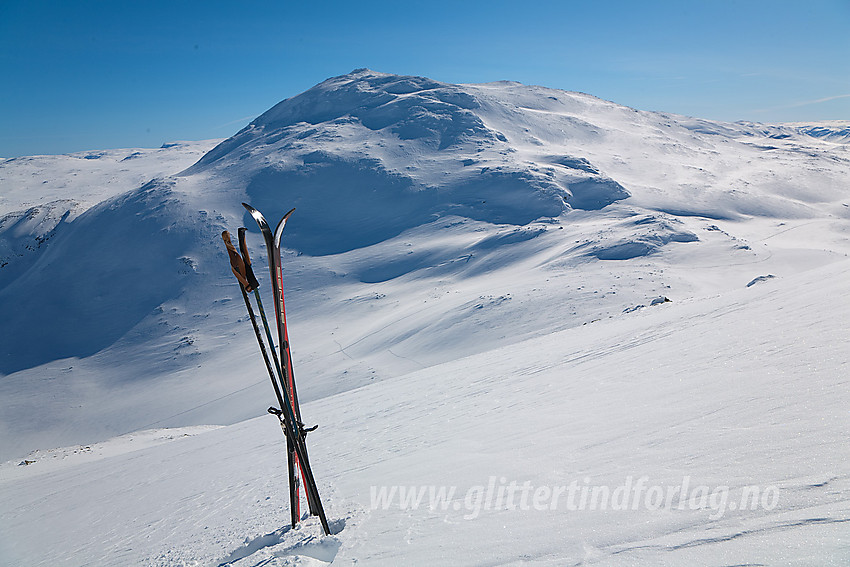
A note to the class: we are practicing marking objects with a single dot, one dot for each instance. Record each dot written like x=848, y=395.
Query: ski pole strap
x=237, y=265
x=249, y=272
x=274, y=411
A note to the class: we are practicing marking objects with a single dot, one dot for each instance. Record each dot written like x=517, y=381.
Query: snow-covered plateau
x=535, y=328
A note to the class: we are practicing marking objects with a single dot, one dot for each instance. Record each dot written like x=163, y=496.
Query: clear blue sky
x=79, y=75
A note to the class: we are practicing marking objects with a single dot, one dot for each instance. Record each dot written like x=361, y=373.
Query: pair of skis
x=278, y=363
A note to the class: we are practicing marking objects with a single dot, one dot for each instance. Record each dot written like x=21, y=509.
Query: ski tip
x=278, y=231
x=258, y=216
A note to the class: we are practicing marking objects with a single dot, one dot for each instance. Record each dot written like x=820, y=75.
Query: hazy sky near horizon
x=103, y=74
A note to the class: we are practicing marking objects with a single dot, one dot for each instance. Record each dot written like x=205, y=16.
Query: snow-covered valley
x=494, y=290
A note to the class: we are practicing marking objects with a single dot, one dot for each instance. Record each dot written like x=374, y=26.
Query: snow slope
x=716, y=390
x=482, y=281
x=43, y=194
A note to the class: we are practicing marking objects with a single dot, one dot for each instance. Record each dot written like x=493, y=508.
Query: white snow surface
x=488, y=286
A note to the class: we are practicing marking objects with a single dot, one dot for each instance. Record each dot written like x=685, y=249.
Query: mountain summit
x=401, y=151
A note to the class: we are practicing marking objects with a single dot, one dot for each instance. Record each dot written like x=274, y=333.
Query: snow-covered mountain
x=457, y=250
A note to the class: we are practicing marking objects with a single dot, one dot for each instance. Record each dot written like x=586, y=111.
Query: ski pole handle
x=237, y=265
x=249, y=272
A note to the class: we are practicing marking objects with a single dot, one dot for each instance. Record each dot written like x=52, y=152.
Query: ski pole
x=237, y=266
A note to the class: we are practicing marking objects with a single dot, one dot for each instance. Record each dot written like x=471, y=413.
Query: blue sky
x=105, y=74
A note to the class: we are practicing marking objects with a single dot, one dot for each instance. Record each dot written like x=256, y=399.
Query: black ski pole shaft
x=249, y=273
x=238, y=268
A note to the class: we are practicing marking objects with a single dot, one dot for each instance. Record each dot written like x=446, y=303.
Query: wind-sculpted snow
x=636, y=238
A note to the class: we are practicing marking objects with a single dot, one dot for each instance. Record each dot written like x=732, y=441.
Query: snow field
x=600, y=330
